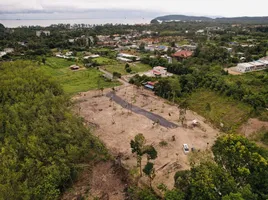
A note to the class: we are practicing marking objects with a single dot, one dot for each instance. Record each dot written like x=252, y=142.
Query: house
x=103, y=37
x=46, y=33
x=69, y=53
x=200, y=32
x=253, y=66
x=189, y=47
x=149, y=48
x=162, y=48
x=74, y=67
x=182, y=54
x=159, y=71
x=92, y=56
x=134, y=46
x=150, y=85
x=245, y=67
x=71, y=40
x=123, y=59
x=127, y=56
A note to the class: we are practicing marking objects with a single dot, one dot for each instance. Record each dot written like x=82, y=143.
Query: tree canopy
x=40, y=140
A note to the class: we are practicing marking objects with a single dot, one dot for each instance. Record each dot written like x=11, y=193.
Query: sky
x=56, y=8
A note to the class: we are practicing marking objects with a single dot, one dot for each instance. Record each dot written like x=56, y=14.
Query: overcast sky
x=194, y=7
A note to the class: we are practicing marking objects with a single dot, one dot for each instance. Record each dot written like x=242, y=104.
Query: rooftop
x=183, y=54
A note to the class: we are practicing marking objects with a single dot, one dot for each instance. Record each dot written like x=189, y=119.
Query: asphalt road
x=154, y=117
x=110, y=75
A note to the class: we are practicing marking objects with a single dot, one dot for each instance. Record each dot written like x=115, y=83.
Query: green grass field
x=105, y=61
x=120, y=68
x=222, y=109
x=75, y=81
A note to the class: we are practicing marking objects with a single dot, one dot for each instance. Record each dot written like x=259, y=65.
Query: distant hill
x=167, y=18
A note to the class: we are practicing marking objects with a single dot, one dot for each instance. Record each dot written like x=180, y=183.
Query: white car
x=185, y=148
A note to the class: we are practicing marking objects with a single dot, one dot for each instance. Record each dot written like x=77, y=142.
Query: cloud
x=196, y=7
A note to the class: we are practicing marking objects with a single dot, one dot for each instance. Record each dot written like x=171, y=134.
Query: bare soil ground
x=252, y=126
x=118, y=125
x=233, y=71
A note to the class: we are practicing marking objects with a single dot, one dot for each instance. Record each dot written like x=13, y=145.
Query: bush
x=128, y=70
x=116, y=75
x=163, y=143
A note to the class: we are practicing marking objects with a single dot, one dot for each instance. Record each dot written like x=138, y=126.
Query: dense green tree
x=40, y=140
x=174, y=195
x=245, y=161
x=137, y=146
x=149, y=171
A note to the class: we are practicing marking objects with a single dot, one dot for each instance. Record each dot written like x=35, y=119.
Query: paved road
x=156, y=118
x=109, y=75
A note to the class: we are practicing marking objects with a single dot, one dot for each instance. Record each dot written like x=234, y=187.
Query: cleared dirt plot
x=140, y=111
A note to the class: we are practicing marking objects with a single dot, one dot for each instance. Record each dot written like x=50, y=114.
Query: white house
x=253, y=66
x=123, y=59
x=127, y=56
x=38, y=33
x=71, y=40
x=92, y=56
x=200, y=32
x=245, y=67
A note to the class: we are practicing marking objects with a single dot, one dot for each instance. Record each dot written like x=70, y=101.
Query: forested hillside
x=40, y=140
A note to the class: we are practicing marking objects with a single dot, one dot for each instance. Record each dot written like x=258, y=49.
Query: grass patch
x=57, y=63
x=135, y=67
x=75, y=81
x=105, y=61
x=219, y=109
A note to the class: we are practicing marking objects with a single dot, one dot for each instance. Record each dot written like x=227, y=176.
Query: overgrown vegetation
x=227, y=113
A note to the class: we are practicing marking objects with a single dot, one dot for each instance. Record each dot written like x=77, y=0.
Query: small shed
x=74, y=67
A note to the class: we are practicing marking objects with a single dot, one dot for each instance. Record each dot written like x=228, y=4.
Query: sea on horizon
x=47, y=22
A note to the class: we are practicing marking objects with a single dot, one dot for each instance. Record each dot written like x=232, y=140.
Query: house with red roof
x=182, y=54
x=159, y=71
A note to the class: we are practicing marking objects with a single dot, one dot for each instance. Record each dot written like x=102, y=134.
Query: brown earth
x=252, y=126
x=118, y=125
x=233, y=71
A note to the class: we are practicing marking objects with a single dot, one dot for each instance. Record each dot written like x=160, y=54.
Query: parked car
x=185, y=148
